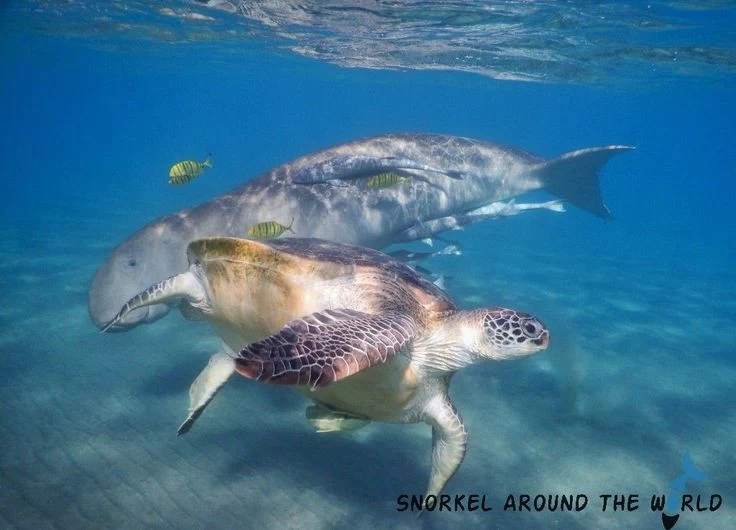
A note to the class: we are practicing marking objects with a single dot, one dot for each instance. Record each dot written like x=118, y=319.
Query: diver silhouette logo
x=672, y=506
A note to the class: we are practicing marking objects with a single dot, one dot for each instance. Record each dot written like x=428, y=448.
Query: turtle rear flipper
x=218, y=370
x=325, y=420
x=326, y=346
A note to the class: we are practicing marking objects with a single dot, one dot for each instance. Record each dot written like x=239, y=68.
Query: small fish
x=413, y=256
x=430, y=241
x=410, y=256
x=386, y=180
x=269, y=230
x=185, y=171
x=440, y=282
x=324, y=420
x=505, y=209
x=450, y=250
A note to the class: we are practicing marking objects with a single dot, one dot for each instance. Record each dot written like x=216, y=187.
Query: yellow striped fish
x=185, y=171
x=269, y=230
x=385, y=180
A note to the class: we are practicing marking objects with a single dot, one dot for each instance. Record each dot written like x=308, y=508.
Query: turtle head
x=499, y=334
x=466, y=337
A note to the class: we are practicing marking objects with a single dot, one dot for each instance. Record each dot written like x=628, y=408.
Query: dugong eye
x=132, y=262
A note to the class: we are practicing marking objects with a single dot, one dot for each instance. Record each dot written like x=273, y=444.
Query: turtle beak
x=542, y=341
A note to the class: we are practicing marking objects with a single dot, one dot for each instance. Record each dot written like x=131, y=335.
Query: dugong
x=326, y=196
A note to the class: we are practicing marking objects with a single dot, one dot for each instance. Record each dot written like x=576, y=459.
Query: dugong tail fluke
x=574, y=176
x=184, y=285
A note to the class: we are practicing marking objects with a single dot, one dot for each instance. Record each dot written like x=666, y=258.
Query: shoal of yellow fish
x=185, y=171
x=385, y=180
x=269, y=230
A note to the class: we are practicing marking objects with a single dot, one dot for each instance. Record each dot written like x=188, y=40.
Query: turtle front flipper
x=326, y=346
x=449, y=439
x=185, y=286
x=218, y=370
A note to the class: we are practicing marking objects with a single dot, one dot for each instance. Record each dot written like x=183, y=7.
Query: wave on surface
x=549, y=41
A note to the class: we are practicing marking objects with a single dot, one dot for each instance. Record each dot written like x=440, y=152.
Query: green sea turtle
x=359, y=333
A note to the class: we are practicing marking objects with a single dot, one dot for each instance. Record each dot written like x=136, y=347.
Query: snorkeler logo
x=672, y=506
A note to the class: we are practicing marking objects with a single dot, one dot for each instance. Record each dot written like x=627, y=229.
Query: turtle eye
x=532, y=328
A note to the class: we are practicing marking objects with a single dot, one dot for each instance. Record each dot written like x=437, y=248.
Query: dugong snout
x=155, y=252
x=105, y=298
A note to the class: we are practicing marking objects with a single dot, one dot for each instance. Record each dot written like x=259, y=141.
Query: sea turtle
x=361, y=334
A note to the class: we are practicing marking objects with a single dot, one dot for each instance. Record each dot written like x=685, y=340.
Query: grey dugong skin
x=341, y=211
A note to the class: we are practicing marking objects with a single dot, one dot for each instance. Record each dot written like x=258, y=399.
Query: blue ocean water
x=99, y=99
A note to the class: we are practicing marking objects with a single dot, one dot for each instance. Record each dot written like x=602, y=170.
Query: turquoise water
x=98, y=100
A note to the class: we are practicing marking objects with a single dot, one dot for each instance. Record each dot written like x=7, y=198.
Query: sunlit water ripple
x=620, y=43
